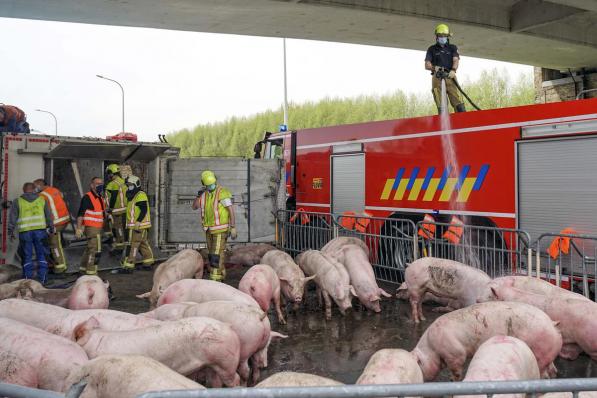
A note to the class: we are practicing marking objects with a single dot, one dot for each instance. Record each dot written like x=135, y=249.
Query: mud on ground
x=339, y=348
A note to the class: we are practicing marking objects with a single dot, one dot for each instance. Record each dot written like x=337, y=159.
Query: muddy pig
x=362, y=278
x=262, y=283
x=296, y=379
x=502, y=358
x=577, y=318
x=127, y=376
x=443, y=278
x=391, y=366
x=201, y=290
x=19, y=288
x=10, y=273
x=248, y=255
x=292, y=278
x=186, y=346
x=455, y=337
x=530, y=285
x=185, y=264
x=49, y=358
x=331, y=278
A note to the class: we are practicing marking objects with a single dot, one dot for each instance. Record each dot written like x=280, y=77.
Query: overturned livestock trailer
x=69, y=163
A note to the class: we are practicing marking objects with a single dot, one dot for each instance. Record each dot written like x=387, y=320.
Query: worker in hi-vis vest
x=60, y=218
x=30, y=216
x=138, y=222
x=90, y=223
x=217, y=217
x=116, y=204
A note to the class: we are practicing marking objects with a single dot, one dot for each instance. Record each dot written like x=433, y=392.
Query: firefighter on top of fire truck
x=90, y=223
x=116, y=204
x=217, y=218
x=443, y=57
x=138, y=223
x=60, y=218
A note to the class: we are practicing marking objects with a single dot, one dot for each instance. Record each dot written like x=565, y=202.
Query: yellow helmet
x=208, y=177
x=113, y=168
x=442, y=29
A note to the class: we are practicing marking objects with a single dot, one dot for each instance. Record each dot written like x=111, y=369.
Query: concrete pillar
x=554, y=86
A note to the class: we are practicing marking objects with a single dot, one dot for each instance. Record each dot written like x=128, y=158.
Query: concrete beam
x=529, y=14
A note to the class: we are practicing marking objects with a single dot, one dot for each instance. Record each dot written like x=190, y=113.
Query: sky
x=174, y=80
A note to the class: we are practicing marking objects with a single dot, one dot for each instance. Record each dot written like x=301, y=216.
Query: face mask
x=211, y=187
x=37, y=189
x=99, y=189
x=131, y=187
x=442, y=41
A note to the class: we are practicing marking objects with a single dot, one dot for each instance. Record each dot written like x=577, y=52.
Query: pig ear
x=283, y=279
x=144, y=295
x=81, y=331
x=384, y=293
x=374, y=298
x=494, y=292
x=106, y=283
x=403, y=286
x=308, y=278
x=556, y=324
x=354, y=293
x=274, y=335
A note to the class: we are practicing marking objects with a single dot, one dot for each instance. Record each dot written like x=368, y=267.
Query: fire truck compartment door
x=557, y=185
x=348, y=183
x=253, y=183
x=121, y=151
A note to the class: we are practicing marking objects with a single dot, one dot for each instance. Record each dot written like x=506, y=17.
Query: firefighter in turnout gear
x=116, y=204
x=90, y=223
x=30, y=216
x=217, y=217
x=138, y=223
x=442, y=60
x=60, y=219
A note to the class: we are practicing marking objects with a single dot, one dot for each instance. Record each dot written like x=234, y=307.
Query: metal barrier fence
x=391, y=241
x=297, y=231
x=568, y=260
x=496, y=251
x=488, y=388
x=15, y=391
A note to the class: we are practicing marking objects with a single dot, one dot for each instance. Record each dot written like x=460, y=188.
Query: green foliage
x=237, y=135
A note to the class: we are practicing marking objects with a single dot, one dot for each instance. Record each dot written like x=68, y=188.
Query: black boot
x=460, y=108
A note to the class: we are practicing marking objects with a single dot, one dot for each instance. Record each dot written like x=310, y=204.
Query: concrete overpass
x=555, y=34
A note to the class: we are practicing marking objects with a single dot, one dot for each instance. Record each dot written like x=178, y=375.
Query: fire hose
x=442, y=74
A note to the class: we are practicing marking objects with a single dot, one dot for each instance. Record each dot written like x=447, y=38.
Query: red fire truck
x=530, y=167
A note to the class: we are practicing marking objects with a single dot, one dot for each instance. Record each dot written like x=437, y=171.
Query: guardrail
x=568, y=260
x=496, y=251
x=488, y=388
x=16, y=391
x=297, y=231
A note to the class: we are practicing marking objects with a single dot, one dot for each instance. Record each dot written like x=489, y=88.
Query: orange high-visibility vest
x=361, y=223
x=455, y=231
x=304, y=217
x=348, y=220
x=427, y=231
x=560, y=243
x=94, y=218
x=57, y=205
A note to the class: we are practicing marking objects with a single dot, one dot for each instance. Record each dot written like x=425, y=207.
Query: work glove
x=233, y=233
x=436, y=69
x=452, y=74
x=51, y=230
x=79, y=233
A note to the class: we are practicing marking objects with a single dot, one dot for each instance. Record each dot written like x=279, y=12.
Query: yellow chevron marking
x=387, y=189
x=466, y=189
x=448, y=189
x=401, y=188
x=430, y=191
x=414, y=192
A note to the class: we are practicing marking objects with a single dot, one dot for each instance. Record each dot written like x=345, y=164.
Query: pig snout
x=298, y=299
x=345, y=307
x=375, y=306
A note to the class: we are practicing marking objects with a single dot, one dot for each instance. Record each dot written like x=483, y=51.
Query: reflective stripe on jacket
x=56, y=204
x=214, y=215
x=31, y=215
x=94, y=217
x=132, y=212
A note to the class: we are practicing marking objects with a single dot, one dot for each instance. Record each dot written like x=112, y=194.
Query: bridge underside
x=556, y=34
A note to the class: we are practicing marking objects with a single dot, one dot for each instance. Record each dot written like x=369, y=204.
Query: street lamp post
x=55, y=120
x=122, y=89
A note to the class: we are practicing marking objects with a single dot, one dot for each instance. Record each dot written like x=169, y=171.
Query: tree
x=237, y=135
